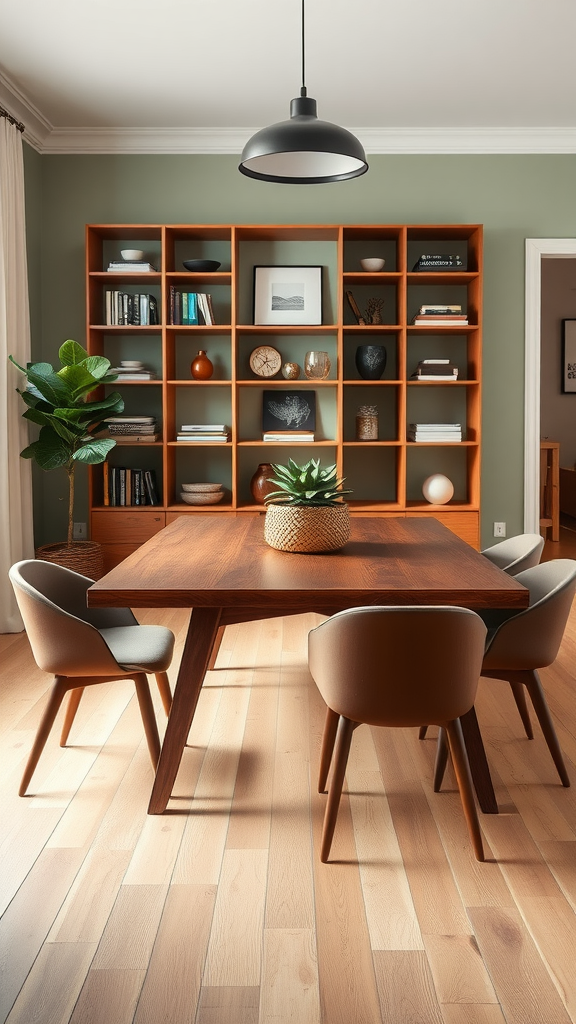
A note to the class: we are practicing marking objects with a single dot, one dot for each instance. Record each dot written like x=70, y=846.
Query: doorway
x=537, y=249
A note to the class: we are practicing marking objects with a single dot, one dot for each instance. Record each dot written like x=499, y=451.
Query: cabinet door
x=463, y=524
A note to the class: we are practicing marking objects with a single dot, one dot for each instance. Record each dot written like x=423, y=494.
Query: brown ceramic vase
x=260, y=483
x=202, y=368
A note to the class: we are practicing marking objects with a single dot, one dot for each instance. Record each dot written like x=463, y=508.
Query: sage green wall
x=515, y=197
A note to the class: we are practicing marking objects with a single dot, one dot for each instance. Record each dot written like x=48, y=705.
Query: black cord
x=303, y=89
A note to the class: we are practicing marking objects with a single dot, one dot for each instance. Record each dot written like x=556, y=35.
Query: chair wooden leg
x=328, y=738
x=534, y=687
x=441, y=759
x=215, y=648
x=164, y=689
x=464, y=779
x=422, y=732
x=520, y=698
x=148, y=717
x=341, y=751
x=73, y=703
x=59, y=689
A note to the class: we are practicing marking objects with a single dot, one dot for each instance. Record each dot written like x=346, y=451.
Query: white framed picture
x=569, y=357
x=287, y=295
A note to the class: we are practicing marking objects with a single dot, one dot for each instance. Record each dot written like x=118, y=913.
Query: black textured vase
x=370, y=361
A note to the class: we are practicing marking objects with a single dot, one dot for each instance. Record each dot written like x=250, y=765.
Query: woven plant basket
x=84, y=556
x=307, y=527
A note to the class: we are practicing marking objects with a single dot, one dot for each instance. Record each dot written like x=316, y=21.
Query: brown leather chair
x=526, y=642
x=399, y=667
x=82, y=646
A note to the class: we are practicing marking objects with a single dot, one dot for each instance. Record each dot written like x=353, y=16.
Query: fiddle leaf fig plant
x=306, y=485
x=57, y=400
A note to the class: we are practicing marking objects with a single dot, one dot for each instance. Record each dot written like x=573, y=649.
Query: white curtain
x=16, y=530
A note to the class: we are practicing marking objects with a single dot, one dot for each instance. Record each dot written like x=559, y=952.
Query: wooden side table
x=550, y=487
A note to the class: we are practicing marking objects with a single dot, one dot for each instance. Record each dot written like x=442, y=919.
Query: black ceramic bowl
x=201, y=265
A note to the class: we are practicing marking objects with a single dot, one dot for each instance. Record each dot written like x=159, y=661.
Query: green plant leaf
x=49, y=385
x=78, y=379
x=92, y=410
x=94, y=451
x=36, y=415
x=71, y=352
x=49, y=451
x=98, y=366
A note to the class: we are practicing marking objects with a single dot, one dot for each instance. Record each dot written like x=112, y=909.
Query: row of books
x=443, y=315
x=434, y=432
x=189, y=309
x=204, y=433
x=438, y=261
x=131, y=266
x=127, y=486
x=435, y=369
x=126, y=310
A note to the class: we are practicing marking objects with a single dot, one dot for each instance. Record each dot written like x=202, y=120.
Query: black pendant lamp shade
x=303, y=150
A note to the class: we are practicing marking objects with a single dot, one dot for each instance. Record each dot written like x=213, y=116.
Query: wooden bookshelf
x=386, y=475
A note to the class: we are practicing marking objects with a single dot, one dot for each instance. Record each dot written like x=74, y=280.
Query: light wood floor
x=219, y=912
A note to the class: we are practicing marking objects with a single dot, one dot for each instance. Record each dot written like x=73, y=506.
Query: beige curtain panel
x=17, y=540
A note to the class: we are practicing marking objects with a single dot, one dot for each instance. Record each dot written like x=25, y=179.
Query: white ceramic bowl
x=131, y=362
x=202, y=497
x=132, y=254
x=201, y=488
x=372, y=265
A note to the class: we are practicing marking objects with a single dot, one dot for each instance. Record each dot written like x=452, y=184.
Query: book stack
x=132, y=429
x=435, y=432
x=287, y=436
x=435, y=369
x=132, y=370
x=188, y=309
x=126, y=486
x=440, y=316
x=124, y=310
x=438, y=261
x=204, y=433
x=131, y=266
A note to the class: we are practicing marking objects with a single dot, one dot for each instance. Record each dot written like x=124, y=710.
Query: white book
x=203, y=426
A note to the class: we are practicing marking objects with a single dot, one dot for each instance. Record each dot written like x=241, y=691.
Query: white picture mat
x=287, y=295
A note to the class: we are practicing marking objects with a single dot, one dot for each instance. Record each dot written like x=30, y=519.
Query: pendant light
x=303, y=150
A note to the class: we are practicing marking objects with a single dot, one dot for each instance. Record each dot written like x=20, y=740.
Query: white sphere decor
x=438, y=489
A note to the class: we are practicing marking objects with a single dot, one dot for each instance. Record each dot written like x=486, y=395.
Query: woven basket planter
x=307, y=527
x=84, y=556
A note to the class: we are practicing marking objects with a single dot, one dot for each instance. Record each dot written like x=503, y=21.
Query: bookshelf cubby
x=386, y=475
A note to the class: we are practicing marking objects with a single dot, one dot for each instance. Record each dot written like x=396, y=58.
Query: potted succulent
x=307, y=513
x=57, y=400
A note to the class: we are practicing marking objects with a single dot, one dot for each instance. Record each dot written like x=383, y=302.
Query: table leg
x=478, y=763
x=202, y=631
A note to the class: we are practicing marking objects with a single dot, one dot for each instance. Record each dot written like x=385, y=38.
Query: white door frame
x=537, y=249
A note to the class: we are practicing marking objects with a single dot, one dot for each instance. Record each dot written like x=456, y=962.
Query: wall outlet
x=80, y=531
x=499, y=529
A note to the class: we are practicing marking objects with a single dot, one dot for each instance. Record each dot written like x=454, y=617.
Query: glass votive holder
x=367, y=423
x=316, y=365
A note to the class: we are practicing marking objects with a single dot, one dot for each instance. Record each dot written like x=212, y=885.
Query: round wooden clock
x=265, y=361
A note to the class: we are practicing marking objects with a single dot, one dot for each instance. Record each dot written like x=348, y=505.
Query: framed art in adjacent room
x=285, y=296
x=569, y=356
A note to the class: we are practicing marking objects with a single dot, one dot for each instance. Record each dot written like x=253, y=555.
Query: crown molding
x=48, y=139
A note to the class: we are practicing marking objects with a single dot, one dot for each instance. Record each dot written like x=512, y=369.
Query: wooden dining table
x=222, y=569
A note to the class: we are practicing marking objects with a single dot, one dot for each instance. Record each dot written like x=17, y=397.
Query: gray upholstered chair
x=516, y=553
x=82, y=646
x=526, y=642
x=396, y=666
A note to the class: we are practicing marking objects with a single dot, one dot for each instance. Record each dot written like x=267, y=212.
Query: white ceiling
x=202, y=75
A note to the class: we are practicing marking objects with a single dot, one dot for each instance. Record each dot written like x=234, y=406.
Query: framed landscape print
x=287, y=295
x=569, y=357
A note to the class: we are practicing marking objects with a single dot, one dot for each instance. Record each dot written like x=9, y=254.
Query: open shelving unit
x=386, y=476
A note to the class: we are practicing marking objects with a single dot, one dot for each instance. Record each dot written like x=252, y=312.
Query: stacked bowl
x=202, y=494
